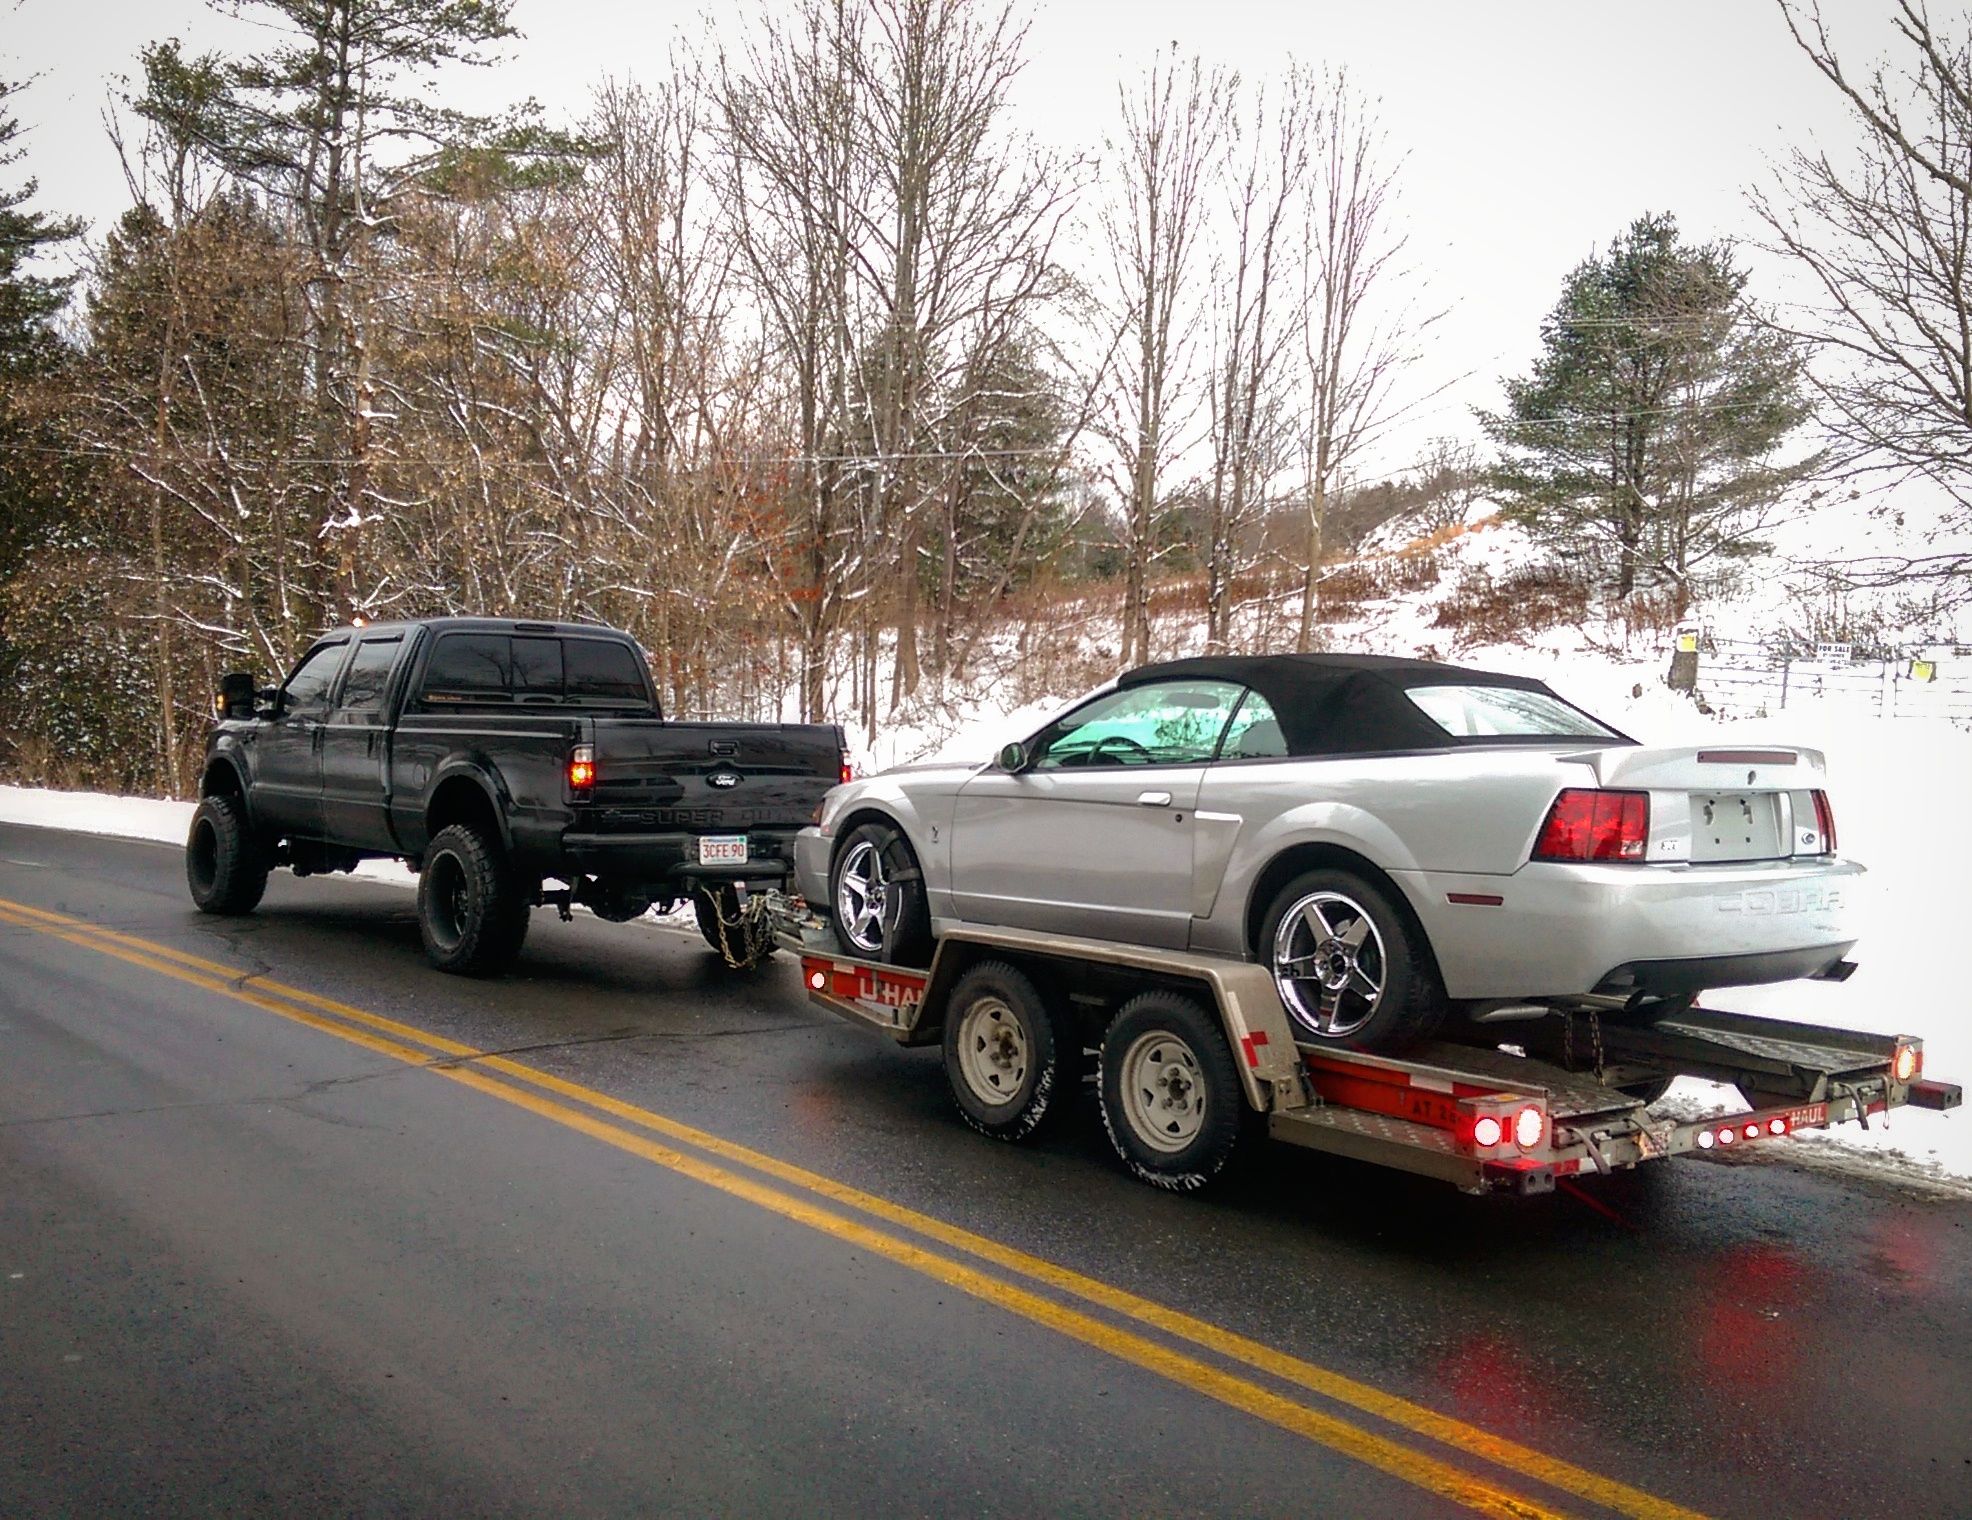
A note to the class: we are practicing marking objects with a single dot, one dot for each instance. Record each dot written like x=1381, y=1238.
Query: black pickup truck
x=495, y=756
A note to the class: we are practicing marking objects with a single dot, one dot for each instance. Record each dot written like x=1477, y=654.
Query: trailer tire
x=1003, y=1053
x=1388, y=954
x=472, y=913
x=226, y=863
x=877, y=898
x=1172, y=1102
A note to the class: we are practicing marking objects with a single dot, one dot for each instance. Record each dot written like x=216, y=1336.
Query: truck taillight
x=1825, y=822
x=582, y=767
x=848, y=771
x=1587, y=824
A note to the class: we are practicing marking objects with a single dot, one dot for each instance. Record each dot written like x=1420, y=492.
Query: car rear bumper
x=1556, y=930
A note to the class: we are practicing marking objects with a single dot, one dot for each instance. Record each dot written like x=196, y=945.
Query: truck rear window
x=494, y=667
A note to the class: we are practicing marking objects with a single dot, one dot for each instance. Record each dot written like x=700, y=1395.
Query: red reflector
x=1476, y=899
x=1825, y=822
x=1585, y=824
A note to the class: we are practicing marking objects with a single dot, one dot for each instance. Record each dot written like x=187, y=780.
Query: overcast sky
x=1534, y=130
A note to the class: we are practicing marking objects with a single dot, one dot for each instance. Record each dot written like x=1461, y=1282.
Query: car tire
x=895, y=927
x=226, y=864
x=1003, y=1054
x=1372, y=984
x=711, y=905
x=472, y=913
x=1171, y=1097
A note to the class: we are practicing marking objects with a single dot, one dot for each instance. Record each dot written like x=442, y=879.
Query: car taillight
x=582, y=767
x=1585, y=824
x=1825, y=822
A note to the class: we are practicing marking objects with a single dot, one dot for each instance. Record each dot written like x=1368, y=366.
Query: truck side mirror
x=1013, y=758
x=267, y=702
x=236, y=695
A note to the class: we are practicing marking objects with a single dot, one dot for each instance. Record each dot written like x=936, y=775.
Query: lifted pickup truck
x=494, y=756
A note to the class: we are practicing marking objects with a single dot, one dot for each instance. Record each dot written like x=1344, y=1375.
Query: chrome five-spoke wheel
x=1329, y=963
x=864, y=908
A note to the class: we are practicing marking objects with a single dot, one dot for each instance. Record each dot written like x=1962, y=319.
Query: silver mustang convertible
x=1394, y=837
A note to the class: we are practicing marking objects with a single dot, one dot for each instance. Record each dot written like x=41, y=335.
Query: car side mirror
x=235, y=698
x=1014, y=758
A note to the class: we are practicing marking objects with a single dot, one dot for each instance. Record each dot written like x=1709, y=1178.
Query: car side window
x=1254, y=733
x=307, y=690
x=1159, y=723
x=369, y=674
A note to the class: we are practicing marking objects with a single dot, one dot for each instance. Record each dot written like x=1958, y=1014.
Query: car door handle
x=1154, y=799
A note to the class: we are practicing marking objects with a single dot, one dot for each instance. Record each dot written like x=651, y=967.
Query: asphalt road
x=291, y=1224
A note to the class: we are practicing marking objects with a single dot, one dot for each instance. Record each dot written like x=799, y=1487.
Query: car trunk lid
x=1719, y=803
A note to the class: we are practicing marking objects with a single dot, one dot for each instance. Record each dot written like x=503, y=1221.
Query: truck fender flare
x=224, y=773
x=486, y=779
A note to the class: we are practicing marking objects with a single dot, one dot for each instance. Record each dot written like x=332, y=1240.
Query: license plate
x=722, y=850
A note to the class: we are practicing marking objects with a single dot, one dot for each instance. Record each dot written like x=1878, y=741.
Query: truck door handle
x=1154, y=799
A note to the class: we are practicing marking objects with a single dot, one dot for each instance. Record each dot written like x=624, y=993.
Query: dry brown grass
x=1482, y=610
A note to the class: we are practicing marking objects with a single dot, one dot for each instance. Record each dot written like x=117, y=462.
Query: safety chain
x=754, y=926
x=1568, y=1039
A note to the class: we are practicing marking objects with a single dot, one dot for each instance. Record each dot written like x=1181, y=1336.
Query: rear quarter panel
x=1472, y=811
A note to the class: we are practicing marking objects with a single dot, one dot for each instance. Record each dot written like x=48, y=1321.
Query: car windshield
x=1504, y=712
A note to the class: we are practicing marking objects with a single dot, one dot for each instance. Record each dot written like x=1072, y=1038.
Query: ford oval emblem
x=723, y=779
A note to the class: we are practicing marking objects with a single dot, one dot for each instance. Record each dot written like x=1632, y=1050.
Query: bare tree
x=1360, y=333
x=1886, y=235
x=1158, y=172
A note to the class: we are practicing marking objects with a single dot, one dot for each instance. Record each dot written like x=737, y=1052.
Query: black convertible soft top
x=1341, y=704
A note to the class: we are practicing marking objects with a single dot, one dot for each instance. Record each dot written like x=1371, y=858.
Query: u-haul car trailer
x=1194, y=1049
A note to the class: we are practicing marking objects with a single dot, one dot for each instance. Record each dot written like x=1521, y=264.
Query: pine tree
x=1654, y=429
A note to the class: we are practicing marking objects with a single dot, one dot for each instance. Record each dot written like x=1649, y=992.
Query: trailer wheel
x=471, y=911
x=1171, y=1097
x=225, y=863
x=1002, y=1058
x=876, y=896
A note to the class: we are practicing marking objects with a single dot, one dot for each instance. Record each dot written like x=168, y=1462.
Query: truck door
x=287, y=772
x=355, y=746
x=1094, y=837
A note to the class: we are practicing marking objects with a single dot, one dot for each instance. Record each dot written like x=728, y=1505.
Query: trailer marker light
x=1727, y=1135
x=818, y=981
x=1904, y=1065
x=1705, y=1141
x=1527, y=1127
x=1487, y=1130
x=1776, y=1126
x=1752, y=1132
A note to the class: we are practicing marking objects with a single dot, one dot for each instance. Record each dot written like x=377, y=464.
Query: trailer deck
x=1512, y=1107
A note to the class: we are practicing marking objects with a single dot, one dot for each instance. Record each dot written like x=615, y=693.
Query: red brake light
x=1825, y=823
x=848, y=771
x=582, y=767
x=1487, y=1130
x=1585, y=824
x=1528, y=1125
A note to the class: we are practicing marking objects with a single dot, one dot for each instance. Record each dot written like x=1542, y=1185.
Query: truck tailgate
x=653, y=775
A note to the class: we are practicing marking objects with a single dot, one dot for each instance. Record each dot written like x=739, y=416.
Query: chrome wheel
x=1163, y=1091
x=1329, y=964
x=994, y=1052
x=865, y=908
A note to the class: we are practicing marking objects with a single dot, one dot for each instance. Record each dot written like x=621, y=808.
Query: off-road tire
x=905, y=935
x=226, y=863
x=472, y=912
x=1193, y=1043
x=1013, y=1020
x=1411, y=1003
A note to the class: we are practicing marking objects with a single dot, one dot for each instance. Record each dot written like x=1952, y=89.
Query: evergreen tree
x=1654, y=429
x=29, y=301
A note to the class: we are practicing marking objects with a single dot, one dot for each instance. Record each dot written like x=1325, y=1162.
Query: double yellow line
x=802, y=1194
